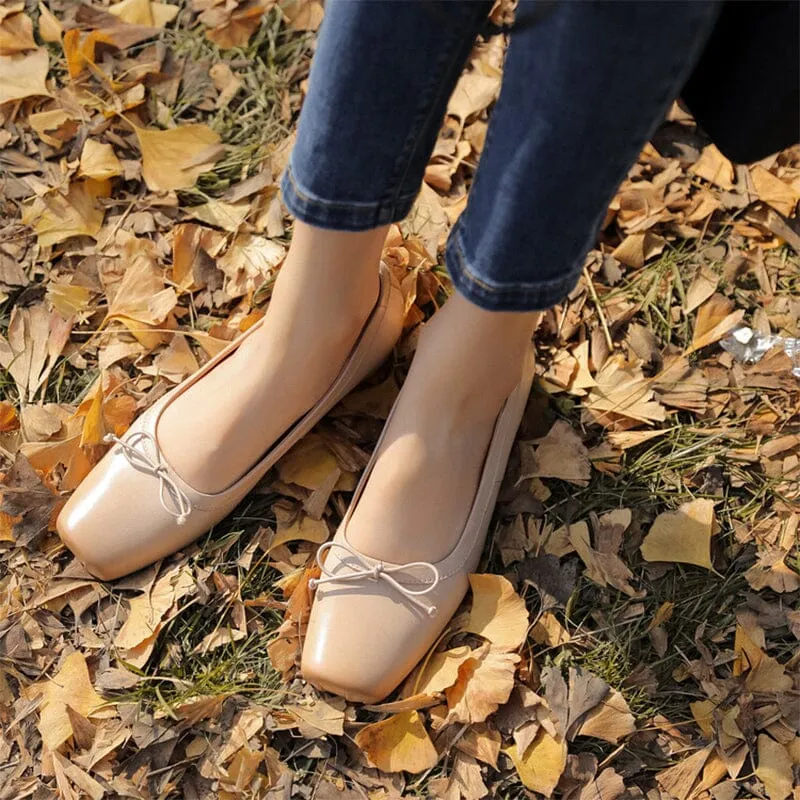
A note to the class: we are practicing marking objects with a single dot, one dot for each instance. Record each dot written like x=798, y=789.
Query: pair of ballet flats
x=134, y=509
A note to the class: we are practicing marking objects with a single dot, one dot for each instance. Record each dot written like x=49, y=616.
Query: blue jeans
x=585, y=84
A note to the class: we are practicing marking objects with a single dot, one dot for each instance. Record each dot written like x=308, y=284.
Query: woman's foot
x=215, y=431
x=420, y=492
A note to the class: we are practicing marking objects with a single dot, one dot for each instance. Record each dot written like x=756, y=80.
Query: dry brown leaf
x=147, y=611
x=773, y=191
x=169, y=158
x=703, y=285
x=771, y=571
x=549, y=631
x=610, y=721
x=175, y=362
x=323, y=716
x=302, y=15
x=541, y=765
x=679, y=780
x=23, y=75
x=473, y=93
x=638, y=248
x=715, y=318
x=561, y=454
x=714, y=167
x=399, y=743
x=622, y=391
x=141, y=300
x=56, y=217
x=498, y=613
x=682, y=536
x=484, y=683
x=35, y=341
x=233, y=28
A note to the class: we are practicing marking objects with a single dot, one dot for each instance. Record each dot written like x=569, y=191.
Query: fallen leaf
x=541, y=765
x=302, y=15
x=437, y=673
x=622, y=391
x=23, y=75
x=682, y=536
x=99, y=161
x=638, y=248
x=16, y=33
x=50, y=29
x=771, y=571
x=484, y=683
x=301, y=528
x=70, y=686
x=773, y=191
x=324, y=717
x=399, y=743
x=715, y=318
x=714, y=167
x=498, y=613
x=678, y=781
x=561, y=454
x=144, y=12
x=56, y=217
x=703, y=286
x=169, y=156
x=610, y=721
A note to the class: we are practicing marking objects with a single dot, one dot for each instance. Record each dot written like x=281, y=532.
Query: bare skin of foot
x=325, y=291
x=419, y=494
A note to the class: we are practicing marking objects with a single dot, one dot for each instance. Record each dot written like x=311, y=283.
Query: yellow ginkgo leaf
x=305, y=529
x=484, y=683
x=98, y=160
x=50, y=29
x=610, y=720
x=56, y=217
x=308, y=464
x=23, y=75
x=498, y=613
x=71, y=686
x=438, y=673
x=399, y=743
x=542, y=763
x=682, y=536
x=144, y=12
x=169, y=158
x=715, y=318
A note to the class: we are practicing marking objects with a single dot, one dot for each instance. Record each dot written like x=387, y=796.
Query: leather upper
x=115, y=521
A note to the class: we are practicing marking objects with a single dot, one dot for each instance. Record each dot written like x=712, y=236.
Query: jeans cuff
x=340, y=215
x=506, y=296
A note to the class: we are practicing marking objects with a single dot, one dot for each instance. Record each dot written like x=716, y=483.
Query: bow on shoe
x=180, y=505
x=379, y=571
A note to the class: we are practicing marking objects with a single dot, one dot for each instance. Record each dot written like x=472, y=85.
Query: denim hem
x=493, y=296
x=340, y=215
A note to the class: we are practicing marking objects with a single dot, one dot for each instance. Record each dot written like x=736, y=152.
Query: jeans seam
x=418, y=130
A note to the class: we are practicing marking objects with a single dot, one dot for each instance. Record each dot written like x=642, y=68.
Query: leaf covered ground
x=634, y=630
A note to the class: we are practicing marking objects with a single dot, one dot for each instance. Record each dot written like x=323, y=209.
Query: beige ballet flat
x=372, y=621
x=133, y=508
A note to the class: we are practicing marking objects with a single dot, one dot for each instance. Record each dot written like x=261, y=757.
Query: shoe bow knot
x=379, y=571
x=134, y=450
